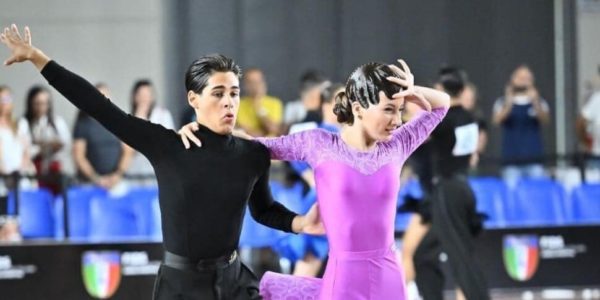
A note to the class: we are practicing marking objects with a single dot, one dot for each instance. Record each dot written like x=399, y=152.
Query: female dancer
x=357, y=182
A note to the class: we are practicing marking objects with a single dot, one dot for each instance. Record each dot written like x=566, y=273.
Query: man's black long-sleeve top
x=203, y=192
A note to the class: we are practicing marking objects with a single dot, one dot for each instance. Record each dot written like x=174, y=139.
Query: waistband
x=183, y=263
x=376, y=253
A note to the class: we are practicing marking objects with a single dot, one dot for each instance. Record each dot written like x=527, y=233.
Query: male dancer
x=203, y=191
x=453, y=216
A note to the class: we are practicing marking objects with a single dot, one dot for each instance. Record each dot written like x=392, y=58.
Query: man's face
x=218, y=104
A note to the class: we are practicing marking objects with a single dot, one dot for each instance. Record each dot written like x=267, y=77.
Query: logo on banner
x=101, y=272
x=521, y=256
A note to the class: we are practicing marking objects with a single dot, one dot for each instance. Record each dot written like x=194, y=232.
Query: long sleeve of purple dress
x=357, y=194
x=314, y=146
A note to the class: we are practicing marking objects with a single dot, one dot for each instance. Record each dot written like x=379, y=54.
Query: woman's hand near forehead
x=424, y=97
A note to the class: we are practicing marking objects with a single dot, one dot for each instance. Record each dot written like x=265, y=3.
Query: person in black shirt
x=203, y=192
x=450, y=210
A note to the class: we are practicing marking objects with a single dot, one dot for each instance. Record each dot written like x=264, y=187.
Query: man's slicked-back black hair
x=198, y=73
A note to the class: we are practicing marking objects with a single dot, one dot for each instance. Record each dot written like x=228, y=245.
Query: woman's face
x=144, y=97
x=380, y=120
x=5, y=103
x=41, y=104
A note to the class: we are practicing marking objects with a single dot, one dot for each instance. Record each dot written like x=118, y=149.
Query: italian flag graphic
x=101, y=273
x=521, y=256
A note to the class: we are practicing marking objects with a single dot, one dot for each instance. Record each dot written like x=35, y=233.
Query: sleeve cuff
x=50, y=70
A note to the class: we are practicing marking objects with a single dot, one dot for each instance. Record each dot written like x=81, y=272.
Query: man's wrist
x=38, y=58
x=298, y=224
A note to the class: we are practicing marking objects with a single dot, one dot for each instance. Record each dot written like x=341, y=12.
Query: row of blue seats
x=94, y=214
x=540, y=202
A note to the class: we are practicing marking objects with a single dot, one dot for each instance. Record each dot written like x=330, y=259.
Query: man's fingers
x=15, y=31
x=10, y=61
x=27, y=35
x=6, y=33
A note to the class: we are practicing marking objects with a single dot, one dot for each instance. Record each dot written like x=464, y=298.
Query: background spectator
x=259, y=113
x=143, y=105
x=14, y=159
x=48, y=136
x=99, y=155
x=520, y=113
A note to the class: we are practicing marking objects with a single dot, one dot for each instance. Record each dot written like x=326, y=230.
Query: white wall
x=588, y=42
x=112, y=41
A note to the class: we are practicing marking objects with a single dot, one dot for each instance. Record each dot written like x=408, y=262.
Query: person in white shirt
x=14, y=159
x=144, y=106
x=48, y=137
x=589, y=128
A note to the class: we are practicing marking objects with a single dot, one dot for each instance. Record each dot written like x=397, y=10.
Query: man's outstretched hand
x=20, y=47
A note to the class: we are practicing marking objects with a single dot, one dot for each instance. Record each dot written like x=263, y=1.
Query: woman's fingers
x=399, y=81
x=398, y=71
x=187, y=134
x=193, y=137
x=184, y=139
x=404, y=66
x=420, y=100
x=402, y=94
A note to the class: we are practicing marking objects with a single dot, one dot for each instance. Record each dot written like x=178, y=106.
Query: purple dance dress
x=357, y=193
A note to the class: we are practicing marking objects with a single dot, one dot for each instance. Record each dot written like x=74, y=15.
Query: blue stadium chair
x=59, y=221
x=36, y=218
x=585, y=201
x=412, y=188
x=146, y=207
x=78, y=209
x=291, y=197
x=491, y=195
x=401, y=221
x=538, y=202
x=255, y=235
x=115, y=219
x=295, y=246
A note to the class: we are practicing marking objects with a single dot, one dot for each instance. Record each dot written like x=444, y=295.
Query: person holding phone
x=520, y=113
